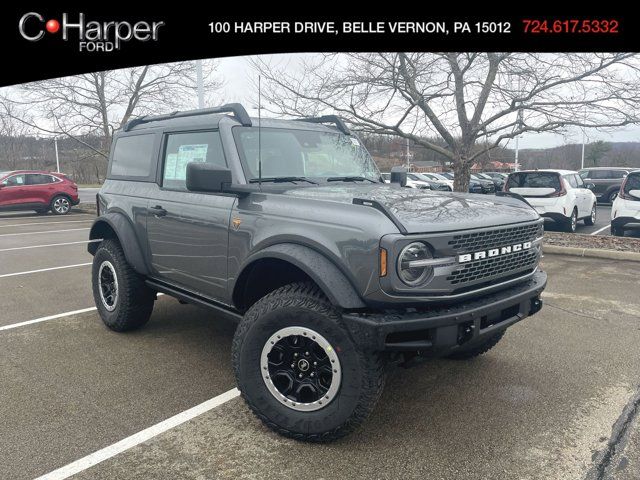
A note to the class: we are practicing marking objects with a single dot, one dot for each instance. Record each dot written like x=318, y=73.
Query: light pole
x=199, y=84
x=55, y=144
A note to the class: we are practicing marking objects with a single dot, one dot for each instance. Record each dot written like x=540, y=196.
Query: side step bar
x=194, y=299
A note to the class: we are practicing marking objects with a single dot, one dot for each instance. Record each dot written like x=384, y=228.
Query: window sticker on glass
x=355, y=141
x=170, y=166
x=186, y=154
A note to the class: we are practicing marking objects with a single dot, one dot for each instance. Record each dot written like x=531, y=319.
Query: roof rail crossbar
x=337, y=121
x=237, y=109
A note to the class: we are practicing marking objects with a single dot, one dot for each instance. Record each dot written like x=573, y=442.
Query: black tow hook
x=536, y=305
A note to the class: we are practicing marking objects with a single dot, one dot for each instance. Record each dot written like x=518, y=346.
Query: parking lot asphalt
x=540, y=405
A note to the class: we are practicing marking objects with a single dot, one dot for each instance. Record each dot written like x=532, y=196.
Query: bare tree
x=472, y=101
x=100, y=102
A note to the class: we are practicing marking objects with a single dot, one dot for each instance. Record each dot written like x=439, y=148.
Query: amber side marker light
x=383, y=262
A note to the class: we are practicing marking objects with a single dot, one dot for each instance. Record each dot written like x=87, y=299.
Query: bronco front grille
x=472, y=242
x=523, y=261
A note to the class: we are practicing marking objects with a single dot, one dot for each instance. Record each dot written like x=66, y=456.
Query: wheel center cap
x=303, y=365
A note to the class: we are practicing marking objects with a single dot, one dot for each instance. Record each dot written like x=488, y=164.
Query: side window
x=599, y=174
x=572, y=181
x=182, y=148
x=579, y=182
x=133, y=156
x=37, y=179
x=617, y=173
x=14, y=181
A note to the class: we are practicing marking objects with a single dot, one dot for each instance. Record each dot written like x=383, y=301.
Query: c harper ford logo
x=92, y=36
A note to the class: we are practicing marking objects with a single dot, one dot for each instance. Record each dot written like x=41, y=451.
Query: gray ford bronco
x=288, y=227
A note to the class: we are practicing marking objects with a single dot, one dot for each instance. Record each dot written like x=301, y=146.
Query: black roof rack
x=237, y=109
x=337, y=121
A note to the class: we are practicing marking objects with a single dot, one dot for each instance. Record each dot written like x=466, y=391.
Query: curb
x=86, y=207
x=591, y=253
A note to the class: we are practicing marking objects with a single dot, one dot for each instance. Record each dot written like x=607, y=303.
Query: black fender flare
x=318, y=267
x=126, y=235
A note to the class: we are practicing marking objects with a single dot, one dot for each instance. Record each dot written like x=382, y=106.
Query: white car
x=625, y=211
x=558, y=195
x=414, y=182
x=441, y=180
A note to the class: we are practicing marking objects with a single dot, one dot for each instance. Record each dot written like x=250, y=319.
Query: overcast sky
x=238, y=88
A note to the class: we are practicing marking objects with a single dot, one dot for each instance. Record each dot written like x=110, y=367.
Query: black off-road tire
x=479, y=349
x=362, y=381
x=134, y=302
x=591, y=219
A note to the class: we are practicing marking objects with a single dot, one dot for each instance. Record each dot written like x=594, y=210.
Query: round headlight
x=410, y=268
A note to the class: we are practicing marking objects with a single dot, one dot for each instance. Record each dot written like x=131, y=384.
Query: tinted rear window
x=132, y=156
x=633, y=182
x=534, y=180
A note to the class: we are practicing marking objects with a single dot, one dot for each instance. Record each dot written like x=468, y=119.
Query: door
x=40, y=188
x=601, y=179
x=188, y=233
x=13, y=191
x=586, y=197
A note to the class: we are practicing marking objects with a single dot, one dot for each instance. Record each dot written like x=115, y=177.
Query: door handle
x=158, y=211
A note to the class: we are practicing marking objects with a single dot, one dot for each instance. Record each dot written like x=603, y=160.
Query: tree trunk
x=461, y=170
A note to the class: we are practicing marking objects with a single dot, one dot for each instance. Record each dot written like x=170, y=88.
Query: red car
x=37, y=190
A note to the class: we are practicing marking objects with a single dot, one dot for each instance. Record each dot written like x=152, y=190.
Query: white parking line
x=44, y=223
x=49, y=245
x=5, y=275
x=44, y=319
x=140, y=437
x=51, y=317
x=48, y=231
x=602, y=229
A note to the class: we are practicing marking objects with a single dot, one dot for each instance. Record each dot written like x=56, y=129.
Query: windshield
x=303, y=153
x=632, y=183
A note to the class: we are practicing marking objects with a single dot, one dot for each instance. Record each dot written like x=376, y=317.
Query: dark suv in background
x=607, y=181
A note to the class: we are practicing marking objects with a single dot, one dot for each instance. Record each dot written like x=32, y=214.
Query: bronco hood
x=427, y=211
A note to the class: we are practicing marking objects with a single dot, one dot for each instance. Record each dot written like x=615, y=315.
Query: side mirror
x=590, y=186
x=399, y=175
x=206, y=177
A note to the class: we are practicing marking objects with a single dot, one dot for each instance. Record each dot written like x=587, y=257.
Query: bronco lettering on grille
x=494, y=252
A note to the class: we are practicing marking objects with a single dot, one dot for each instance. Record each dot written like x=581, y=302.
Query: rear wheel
x=591, y=219
x=123, y=300
x=298, y=369
x=60, y=205
x=572, y=222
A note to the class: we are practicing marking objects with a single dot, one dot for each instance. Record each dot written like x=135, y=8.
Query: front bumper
x=441, y=330
x=631, y=223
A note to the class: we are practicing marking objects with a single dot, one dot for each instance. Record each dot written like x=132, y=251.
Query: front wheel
x=591, y=219
x=617, y=231
x=60, y=205
x=123, y=300
x=298, y=369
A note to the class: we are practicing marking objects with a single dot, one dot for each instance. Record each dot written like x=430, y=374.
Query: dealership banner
x=45, y=41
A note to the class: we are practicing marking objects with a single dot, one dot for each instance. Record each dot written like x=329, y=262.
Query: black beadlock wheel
x=299, y=370
x=123, y=300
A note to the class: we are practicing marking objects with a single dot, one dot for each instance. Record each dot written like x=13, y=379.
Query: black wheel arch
x=116, y=225
x=281, y=264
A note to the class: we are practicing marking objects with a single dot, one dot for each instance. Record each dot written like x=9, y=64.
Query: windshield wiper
x=281, y=180
x=350, y=179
